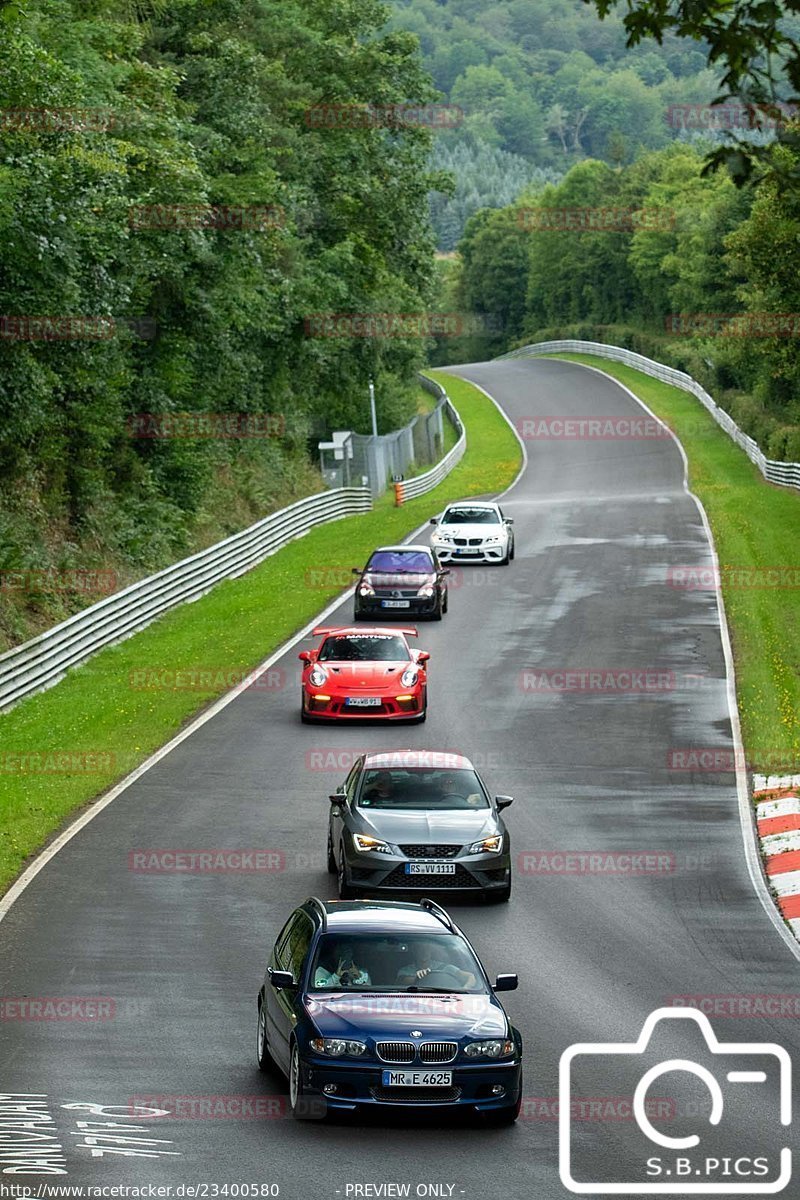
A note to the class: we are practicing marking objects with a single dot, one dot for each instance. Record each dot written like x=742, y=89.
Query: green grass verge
x=96, y=711
x=756, y=527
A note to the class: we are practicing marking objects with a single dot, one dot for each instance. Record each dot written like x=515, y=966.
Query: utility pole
x=372, y=408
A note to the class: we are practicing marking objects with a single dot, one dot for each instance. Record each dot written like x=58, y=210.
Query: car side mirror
x=503, y=801
x=434, y=521
x=356, y=571
x=506, y=983
x=422, y=656
x=281, y=979
x=509, y=520
x=445, y=571
x=305, y=656
x=337, y=798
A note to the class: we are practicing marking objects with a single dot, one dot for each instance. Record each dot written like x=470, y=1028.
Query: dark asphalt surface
x=598, y=524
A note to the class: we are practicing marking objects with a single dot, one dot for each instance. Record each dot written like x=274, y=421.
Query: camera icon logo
x=677, y=1165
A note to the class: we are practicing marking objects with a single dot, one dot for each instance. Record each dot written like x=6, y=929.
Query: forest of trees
x=550, y=83
x=679, y=252
x=194, y=104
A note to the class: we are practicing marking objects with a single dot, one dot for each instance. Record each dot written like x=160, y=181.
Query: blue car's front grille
x=396, y=1052
x=438, y=1052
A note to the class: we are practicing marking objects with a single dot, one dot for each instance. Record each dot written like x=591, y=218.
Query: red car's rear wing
x=356, y=629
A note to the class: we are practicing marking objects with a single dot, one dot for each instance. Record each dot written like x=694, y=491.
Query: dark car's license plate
x=422, y=1079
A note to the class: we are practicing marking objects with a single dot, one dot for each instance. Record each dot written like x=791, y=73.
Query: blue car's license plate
x=422, y=1079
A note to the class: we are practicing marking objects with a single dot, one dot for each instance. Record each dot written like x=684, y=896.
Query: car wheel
x=436, y=615
x=331, y=859
x=505, y=561
x=298, y=1101
x=358, y=614
x=446, y=601
x=262, y=1045
x=304, y=717
x=511, y=551
x=345, y=891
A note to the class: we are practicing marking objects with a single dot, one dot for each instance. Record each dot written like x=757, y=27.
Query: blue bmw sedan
x=367, y=1004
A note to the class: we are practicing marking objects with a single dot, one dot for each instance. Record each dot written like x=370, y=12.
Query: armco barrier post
x=399, y=494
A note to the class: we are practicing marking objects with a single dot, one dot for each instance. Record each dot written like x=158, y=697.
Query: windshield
x=419, y=789
x=367, y=647
x=401, y=562
x=470, y=516
x=380, y=963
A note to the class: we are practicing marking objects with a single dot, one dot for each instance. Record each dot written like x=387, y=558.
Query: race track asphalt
x=598, y=524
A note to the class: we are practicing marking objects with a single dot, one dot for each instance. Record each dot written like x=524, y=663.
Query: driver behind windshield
x=428, y=962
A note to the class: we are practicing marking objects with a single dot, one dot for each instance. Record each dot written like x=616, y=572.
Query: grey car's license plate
x=422, y=1079
x=430, y=868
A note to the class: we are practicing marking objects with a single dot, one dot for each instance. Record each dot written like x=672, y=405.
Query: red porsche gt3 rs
x=359, y=671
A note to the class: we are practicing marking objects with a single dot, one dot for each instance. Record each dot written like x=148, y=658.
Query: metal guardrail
x=420, y=484
x=784, y=474
x=41, y=662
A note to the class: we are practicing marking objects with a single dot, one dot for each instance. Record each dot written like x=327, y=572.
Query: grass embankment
x=98, y=711
x=756, y=528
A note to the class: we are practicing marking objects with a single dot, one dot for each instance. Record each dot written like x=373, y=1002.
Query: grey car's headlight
x=339, y=1047
x=495, y=1048
x=487, y=845
x=364, y=843
x=409, y=677
x=317, y=676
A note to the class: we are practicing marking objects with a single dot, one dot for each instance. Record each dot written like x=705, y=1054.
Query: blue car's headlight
x=338, y=1047
x=494, y=1048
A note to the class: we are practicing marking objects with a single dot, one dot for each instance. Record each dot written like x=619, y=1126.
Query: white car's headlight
x=317, y=676
x=440, y=536
x=409, y=677
x=338, y=1047
x=493, y=539
x=364, y=843
x=496, y=1048
x=488, y=845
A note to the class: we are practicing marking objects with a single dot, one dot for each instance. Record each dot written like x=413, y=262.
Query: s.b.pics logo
x=716, y=1146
